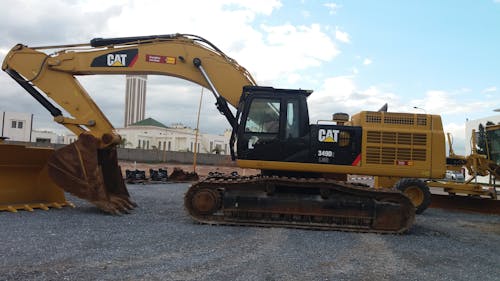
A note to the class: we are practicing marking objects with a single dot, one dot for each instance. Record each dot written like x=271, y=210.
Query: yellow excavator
x=304, y=166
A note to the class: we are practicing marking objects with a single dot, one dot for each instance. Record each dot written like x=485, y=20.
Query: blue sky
x=415, y=42
x=440, y=56
x=414, y=46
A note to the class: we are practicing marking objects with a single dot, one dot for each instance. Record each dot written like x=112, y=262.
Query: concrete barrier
x=154, y=155
x=159, y=156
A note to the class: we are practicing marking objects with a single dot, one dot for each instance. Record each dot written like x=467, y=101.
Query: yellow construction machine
x=25, y=183
x=471, y=193
x=457, y=191
x=304, y=166
x=476, y=164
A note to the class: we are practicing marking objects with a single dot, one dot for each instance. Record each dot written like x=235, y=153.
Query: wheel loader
x=304, y=166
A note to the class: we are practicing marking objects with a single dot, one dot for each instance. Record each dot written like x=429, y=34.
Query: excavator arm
x=89, y=168
x=171, y=55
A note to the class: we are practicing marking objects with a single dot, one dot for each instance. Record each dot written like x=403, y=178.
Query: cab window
x=292, y=119
x=263, y=116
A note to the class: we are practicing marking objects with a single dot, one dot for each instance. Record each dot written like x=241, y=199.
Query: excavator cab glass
x=264, y=116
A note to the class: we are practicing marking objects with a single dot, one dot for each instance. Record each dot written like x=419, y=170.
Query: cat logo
x=125, y=58
x=117, y=59
x=328, y=135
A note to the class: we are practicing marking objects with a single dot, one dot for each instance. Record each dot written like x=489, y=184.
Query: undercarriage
x=312, y=203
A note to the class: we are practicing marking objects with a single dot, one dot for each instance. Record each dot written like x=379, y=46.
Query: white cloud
x=333, y=7
x=342, y=36
x=341, y=94
x=265, y=7
x=367, y=61
x=443, y=102
x=490, y=89
x=294, y=78
x=342, y=87
x=269, y=52
x=279, y=52
x=454, y=111
x=457, y=132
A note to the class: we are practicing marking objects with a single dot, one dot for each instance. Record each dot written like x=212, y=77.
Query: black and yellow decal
x=336, y=144
x=125, y=58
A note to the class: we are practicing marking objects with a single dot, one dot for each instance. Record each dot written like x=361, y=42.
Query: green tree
x=481, y=140
x=124, y=142
x=217, y=149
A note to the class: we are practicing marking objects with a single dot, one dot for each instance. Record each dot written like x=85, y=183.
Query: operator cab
x=273, y=125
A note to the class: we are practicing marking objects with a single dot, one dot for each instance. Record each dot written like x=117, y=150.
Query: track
x=298, y=203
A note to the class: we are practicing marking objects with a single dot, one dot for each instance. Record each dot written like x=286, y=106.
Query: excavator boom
x=170, y=55
x=88, y=168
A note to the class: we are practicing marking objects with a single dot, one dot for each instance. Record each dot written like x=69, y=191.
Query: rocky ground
x=158, y=241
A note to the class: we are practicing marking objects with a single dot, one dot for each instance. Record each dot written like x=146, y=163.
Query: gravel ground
x=158, y=241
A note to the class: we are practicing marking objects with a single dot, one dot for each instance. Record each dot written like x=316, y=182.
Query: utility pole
x=196, y=133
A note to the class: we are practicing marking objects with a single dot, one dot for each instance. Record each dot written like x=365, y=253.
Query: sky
x=436, y=57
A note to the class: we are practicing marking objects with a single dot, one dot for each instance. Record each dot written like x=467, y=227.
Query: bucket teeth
x=28, y=208
x=33, y=207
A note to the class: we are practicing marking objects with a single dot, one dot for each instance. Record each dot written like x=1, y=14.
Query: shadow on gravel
x=420, y=230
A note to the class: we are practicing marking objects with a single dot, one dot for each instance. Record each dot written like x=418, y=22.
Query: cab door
x=295, y=135
x=259, y=132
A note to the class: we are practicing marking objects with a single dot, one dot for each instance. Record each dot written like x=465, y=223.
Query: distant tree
x=124, y=142
x=481, y=140
x=217, y=149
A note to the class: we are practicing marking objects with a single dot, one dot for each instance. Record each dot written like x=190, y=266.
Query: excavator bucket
x=179, y=175
x=25, y=182
x=90, y=173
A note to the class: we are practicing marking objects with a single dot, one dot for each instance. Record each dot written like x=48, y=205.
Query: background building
x=135, y=99
x=17, y=126
x=151, y=134
x=45, y=137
